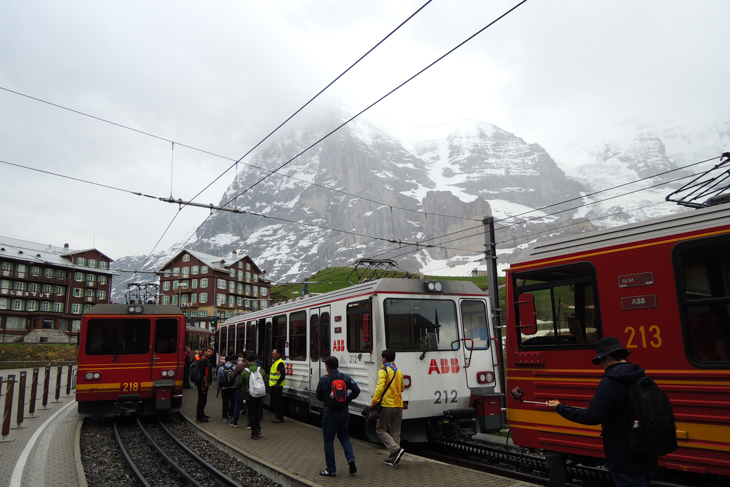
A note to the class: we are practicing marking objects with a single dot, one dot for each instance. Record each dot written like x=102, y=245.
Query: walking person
x=227, y=388
x=277, y=381
x=336, y=390
x=388, y=397
x=203, y=384
x=254, y=389
x=611, y=408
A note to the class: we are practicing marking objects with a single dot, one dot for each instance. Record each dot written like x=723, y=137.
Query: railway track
x=180, y=465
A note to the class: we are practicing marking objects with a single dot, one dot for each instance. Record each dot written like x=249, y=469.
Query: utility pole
x=490, y=255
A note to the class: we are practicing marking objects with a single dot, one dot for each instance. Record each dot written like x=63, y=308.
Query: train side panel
x=666, y=298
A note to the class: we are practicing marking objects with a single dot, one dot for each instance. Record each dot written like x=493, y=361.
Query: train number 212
x=656, y=339
x=130, y=386
x=445, y=396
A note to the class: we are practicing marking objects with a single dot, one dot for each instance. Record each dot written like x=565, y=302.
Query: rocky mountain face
x=362, y=193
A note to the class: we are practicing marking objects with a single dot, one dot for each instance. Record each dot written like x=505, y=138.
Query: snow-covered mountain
x=362, y=192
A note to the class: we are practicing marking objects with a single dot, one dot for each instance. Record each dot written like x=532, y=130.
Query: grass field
x=17, y=356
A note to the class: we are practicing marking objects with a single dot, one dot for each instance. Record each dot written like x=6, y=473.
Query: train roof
x=385, y=285
x=690, y=221
x=123, y=309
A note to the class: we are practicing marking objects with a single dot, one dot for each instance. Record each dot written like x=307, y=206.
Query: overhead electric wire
x=379, y=100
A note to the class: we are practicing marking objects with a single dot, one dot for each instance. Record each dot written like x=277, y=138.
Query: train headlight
x=434, y=286
x=134, y=309
x=168, y=373
x=164, y=373
x=92, y=376
x=485, y=377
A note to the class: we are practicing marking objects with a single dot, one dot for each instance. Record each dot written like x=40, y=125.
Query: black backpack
x=653, y=432
x=195, y=373
x=227, y=377
x=338, y=396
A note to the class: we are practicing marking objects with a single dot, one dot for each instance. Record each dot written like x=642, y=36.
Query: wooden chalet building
x=44, y=290
x=207, y=287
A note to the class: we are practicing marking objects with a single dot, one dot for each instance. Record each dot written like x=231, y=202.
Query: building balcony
x=34, y=277
x=91, y=284
x=188, y=305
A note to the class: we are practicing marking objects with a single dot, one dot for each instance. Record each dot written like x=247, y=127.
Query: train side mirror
x=526, y=314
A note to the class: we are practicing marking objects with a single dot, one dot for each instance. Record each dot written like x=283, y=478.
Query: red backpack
x=338, y=396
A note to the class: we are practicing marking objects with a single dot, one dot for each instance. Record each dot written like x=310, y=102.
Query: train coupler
x=127, y=404
x=456, y=423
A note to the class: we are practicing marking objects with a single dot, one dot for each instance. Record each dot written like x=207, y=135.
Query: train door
x=265, y=347
x=476, y=341
x=166, y=355
x=319, y=344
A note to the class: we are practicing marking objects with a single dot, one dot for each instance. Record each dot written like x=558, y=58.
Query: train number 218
x=654, y=336
x=130, y=386
x=445, y=397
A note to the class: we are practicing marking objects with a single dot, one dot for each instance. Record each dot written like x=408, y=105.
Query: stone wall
x=46, y=336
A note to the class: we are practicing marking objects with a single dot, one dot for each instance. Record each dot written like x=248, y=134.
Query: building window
x=87, y=308
x=204, y=269
x=255, y=278
x=78, y=292
x=103, y=265
x=248, y=290
x=76, y=309
x=175, y=285
x=248, y=267
x=231, y=287
x=221, y=300
x=36, y=271
x=221, y=284
x=184, y=299
x=246, y=303
x=80, y=261
x=19, y=286
x=240, y=275
x=204, y=282
x=75, y=325
x=203, y=298
x=90, y=277
x=239, y=288
x=167, y=273
x=33, y=287
x=60, y=291
x=176, y=271
x=7, y=267
x=239, y=301
x=45, y=306
x=47, y=288
x=232, y=273
x=165, y=299
x=102, y=279
x=193, y=298
x=174, y=299
x=240, y=264
x=48, y=272
x=255, y=290
x=101, y=294
x=61, y=274
x=195, y=270
x=92, y=263
x=166, y=285
x=63, y=324
x=231, y=301
x=78, y=277
x=3, y=303
x=15, y=323
x=186, y=271
x=58, y=307
x=248, y=277
x=264, y=292
x=186, y=258
x=264, y=304
x=89, y=293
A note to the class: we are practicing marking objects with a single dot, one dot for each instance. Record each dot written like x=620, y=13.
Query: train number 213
x=445, y=397
x=655, y=339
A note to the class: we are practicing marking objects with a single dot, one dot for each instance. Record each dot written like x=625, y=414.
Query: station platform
x=292, y=453
x=44, y=450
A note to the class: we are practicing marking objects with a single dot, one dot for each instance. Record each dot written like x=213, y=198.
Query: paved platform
x=292, y=453
x=44, y=450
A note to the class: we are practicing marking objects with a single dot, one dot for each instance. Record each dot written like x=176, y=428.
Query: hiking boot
x=353, y=467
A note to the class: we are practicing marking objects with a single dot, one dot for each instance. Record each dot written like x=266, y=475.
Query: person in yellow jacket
x=277, y=381
x=388, y=395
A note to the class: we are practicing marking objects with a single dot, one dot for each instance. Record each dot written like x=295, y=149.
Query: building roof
x=214, y=262
x=42, y=254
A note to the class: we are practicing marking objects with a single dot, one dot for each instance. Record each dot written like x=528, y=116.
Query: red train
x=663, y=288
x=131, y=360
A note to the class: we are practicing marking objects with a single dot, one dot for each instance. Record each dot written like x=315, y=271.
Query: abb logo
x=289, y=369
x=445, y=366
x=339, y=346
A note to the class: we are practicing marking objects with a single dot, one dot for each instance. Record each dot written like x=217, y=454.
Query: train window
x=324, y=328
x=166, y=335
x=420, y=324
x=474, y=316
x=359, y=327
x=565, y=306
x=314, y=338
x=118, y=336
x=704, y=298
x=298, y=335
x=250, y=337
x=278, y=331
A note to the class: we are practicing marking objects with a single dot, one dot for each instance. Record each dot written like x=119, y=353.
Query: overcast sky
x=219, y=76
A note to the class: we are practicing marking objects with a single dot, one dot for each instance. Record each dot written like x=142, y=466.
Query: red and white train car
x=439, y=330
x=663, y=288
x=131, y=360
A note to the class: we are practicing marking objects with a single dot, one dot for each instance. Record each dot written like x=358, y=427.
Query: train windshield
x=118, y=336
x=420, y=324
x=565, y=306
x=474, y=316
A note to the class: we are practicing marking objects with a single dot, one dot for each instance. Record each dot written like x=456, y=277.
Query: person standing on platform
x=227, y=387
x=388, y=396
x=204, y=385
x=611, y=408
x=336, y=390
x=277, y=381
x=186, y=369
x=254, y=389
x=238, y=405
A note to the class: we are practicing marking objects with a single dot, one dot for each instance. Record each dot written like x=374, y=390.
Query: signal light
x=406, y=381
x=485, y=377
x=434, y=286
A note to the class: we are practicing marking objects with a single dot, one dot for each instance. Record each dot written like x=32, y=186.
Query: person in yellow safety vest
x=277, y=381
